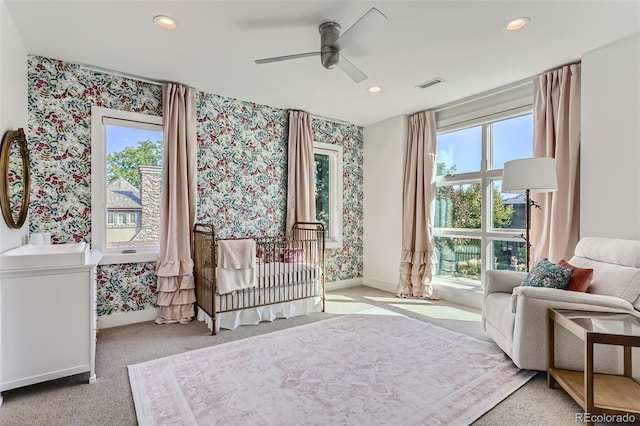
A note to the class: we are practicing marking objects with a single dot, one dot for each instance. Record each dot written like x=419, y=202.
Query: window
x=126, y=181
x=477, y=227
x=328, y=185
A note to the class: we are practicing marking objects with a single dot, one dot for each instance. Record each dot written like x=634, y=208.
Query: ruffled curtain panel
x=419, y=258
x=555, y=229
x=176, y=294
x=301, y=193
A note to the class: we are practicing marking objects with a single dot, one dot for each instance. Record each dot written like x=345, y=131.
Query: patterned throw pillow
x=547, y=274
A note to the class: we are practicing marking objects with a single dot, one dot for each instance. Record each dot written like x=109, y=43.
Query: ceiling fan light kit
x=332, y=42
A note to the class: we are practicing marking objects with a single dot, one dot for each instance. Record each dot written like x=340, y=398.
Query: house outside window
x=328, y=189
x=477, y=227
x=126, y=184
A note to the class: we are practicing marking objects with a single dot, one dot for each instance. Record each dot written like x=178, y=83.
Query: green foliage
x=322, y=188
x=466, y=203
x=124, y=164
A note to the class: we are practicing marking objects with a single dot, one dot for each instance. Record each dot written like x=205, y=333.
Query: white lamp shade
x=535, y=174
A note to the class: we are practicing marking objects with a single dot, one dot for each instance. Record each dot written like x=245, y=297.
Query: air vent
x=430, y=83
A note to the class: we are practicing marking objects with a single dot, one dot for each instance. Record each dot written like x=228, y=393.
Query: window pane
x=509, y=255
x=458, y=206
x=508, y=209
x=322, y=189
x=134, y=182
x=459, y=258
x=512, y=139
x=459, y=151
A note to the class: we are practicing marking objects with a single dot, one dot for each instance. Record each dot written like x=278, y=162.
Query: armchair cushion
x=547, y=274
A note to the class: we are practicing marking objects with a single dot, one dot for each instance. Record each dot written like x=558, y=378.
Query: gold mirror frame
x=11, y=137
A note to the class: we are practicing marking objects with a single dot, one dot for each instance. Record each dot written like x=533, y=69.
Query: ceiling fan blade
x=362, y=26
x=286, y=58
x=351, y=70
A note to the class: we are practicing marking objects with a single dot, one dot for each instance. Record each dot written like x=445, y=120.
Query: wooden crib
x=289, y=276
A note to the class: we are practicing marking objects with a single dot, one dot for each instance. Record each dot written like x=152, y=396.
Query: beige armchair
x=516, y=316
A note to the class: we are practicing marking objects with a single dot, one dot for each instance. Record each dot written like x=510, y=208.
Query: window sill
x=332, y=244
x=115, y=257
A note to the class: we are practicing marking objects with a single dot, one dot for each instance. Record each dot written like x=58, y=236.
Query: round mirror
x=14, y=178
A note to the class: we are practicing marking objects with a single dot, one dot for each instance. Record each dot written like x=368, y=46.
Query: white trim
x=381, y=285
x=458, y=293
x=126, y=318
x=337, y=285
x=146, y=254
x=336, y=191
x=38, y=378
x=99, y=117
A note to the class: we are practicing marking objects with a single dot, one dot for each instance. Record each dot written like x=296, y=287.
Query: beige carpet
x=373, y=368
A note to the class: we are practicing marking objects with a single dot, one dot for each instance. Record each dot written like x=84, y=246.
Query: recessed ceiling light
x=516, y=23
x=166, y=22
x=374, y=89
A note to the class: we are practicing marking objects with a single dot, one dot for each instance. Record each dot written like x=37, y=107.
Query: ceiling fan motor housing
x=329, y=34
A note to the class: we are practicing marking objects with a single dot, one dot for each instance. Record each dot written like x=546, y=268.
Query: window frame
x=100, y=117
x=334, y=152
x=487, y=234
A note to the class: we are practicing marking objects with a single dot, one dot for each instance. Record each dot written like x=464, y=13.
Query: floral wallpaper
x=126, y=287
x=347, y=262
x=242, y=167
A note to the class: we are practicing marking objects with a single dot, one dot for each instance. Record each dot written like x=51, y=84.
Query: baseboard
x=463, y=296
x=126, y=318
x=381, y=285
x=337, y=285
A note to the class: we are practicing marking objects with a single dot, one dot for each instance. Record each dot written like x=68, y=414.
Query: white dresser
x=47, y=322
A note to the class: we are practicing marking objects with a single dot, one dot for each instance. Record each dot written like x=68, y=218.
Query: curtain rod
x=121, y=74
x=128, y=75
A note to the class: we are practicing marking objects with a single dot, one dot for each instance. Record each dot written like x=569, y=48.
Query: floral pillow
x=547, y=274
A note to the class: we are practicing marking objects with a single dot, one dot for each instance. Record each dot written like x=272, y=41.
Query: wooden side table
x=596, y=393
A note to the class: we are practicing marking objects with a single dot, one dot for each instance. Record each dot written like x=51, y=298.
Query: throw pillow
x=293, y=255
x=580, y=279
x=547, y=274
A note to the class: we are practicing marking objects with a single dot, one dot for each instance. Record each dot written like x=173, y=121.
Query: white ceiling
x=216, y=43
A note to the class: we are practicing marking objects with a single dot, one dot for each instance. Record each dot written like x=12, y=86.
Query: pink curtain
x=555, y=229
x=176, y=294
x=418, y=250
x=301, y=194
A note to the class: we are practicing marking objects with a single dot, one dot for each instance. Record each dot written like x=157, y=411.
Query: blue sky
x=119, y=137
x=513, y=139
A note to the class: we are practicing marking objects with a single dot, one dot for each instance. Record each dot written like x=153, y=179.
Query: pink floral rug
x=350, y=370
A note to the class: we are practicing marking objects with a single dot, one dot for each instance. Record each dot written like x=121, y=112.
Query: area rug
x=349, y=370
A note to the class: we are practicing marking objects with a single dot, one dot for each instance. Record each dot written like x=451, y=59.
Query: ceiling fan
x=331, y=43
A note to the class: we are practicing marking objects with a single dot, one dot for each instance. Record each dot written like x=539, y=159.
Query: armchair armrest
x=500, y=281
x=599, y=302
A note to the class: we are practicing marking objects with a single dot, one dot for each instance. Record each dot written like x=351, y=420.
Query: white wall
x=13, y=101
x=610, y=150
x=384, y=150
